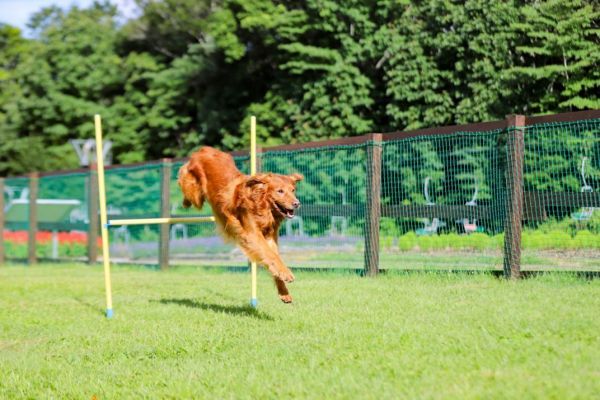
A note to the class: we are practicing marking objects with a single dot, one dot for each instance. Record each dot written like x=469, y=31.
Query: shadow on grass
x=90, y=306
x=246, y=311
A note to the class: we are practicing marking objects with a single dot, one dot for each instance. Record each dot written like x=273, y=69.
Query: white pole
x=103, y=222
x=54, y=244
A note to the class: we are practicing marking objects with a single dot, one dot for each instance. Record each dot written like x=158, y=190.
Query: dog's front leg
x=258, y=250
x=282, y=289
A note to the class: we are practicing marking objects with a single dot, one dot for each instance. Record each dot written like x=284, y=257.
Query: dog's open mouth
x=286, y=212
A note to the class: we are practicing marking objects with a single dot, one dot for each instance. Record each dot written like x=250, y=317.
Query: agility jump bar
x=105, y=223
x=154, y=221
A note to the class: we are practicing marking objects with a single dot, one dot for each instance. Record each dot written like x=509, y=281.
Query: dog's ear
x=252, y=181
x=296, y=177
x=190, y=187
x=194, y=168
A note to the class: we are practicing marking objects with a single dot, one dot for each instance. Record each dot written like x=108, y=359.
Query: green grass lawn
x=188, y=333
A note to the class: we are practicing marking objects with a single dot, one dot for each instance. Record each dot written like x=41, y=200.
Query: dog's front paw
x=286, y=298
x=286, y=276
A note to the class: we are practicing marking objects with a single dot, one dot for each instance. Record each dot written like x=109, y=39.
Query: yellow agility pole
x=152, y=221
x=253, y=299
x=104, y=229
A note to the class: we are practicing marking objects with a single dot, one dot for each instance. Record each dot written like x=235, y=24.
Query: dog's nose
x=296, y=204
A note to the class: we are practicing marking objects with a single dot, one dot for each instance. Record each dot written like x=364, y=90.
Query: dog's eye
x=293, y=190
x=280, y=191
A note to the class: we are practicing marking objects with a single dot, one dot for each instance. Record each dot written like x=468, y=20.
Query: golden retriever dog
x=248, y=209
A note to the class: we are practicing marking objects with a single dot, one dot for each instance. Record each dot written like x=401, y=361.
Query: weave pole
x=103, y=222
x=253, y=299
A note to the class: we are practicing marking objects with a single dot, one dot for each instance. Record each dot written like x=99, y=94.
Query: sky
x=17, y=12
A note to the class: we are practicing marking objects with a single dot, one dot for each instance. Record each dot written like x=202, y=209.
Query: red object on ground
x=46, y=236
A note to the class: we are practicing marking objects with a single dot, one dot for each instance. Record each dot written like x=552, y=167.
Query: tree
x=187, y=73
x=71, y=72
x=13, y=51
x=444, y=61
x=560, y=55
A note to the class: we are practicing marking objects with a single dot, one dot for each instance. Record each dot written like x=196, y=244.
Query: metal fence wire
x=521, y=194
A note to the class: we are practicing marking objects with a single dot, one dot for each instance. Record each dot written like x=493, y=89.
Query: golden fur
x=248, y=209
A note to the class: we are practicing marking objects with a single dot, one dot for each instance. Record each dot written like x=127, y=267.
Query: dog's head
x=279, y=191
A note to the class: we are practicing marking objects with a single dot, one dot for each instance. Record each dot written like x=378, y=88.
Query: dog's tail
x=190, y=182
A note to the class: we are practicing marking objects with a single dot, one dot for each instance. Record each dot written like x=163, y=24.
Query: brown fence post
x=31, y=239
x=92, y=250
x=515, y=146
x=165, y=212
x=373, y=206
x=2, y=254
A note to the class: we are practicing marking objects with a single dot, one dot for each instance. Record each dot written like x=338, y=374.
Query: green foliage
x=561, y=54
x=15, y=250
x=186, y=73
x=532, y=240
x=12, y=49
x=443, y=62
x=72, y=73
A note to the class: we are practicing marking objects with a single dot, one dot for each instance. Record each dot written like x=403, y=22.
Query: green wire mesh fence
x=562, y=195
x=436, y=200
x=442, y=201
x=16, y=217
x=329, y=228
x=134, y=192
x=62, y=216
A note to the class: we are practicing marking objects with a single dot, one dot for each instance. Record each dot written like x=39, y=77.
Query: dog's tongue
x=289, y=214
